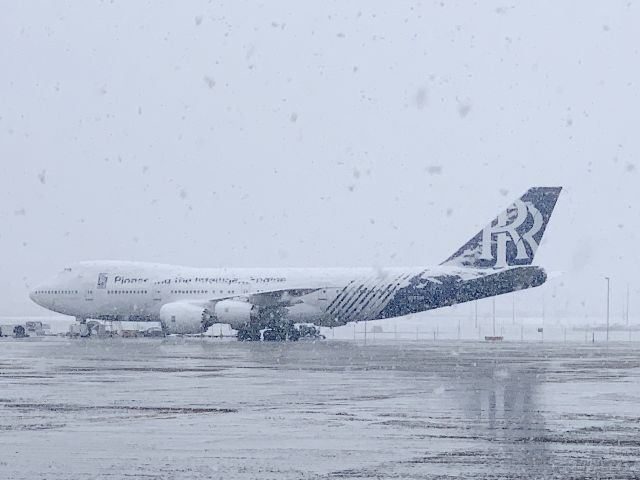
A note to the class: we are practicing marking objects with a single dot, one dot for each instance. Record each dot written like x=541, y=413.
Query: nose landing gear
x=79, y=329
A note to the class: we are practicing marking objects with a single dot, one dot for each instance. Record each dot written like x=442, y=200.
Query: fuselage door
x=157, y=295
x=88, y=295
x=322, y=296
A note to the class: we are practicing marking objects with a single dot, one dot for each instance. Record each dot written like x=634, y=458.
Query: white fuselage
x=134, y=289
x=113, y=290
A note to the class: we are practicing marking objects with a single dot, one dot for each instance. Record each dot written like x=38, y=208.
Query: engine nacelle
x=182, y=317
x=234, y=313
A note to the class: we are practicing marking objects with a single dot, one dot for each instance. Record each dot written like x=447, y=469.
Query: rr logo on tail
x=506, y=229
x=513, y=237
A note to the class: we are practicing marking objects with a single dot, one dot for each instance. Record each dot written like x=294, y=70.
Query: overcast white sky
x=291, y=133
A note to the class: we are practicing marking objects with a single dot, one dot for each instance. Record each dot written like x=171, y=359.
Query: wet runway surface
x=190, y=408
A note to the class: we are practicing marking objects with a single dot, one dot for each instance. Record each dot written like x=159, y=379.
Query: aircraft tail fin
x=513, y=237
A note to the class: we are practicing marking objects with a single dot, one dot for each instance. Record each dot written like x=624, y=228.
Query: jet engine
x=235, y=313
x=183, y=318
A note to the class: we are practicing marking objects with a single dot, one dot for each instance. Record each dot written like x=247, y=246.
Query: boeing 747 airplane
x=266, y=303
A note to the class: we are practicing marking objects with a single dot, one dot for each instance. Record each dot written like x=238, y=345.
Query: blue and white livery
x=496, y=261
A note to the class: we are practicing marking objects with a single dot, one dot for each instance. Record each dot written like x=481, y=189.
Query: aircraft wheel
x=293, y=335
x=244, y=335
x=274, y=335
x=248, y=335
x=269, y=336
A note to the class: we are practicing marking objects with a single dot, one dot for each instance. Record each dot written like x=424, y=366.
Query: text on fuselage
x=129, y=280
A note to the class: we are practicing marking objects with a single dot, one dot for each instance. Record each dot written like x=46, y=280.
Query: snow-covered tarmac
x=190, y=408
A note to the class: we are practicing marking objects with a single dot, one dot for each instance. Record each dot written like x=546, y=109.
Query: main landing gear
x=281, y=333
x=249, y=334
x=278, y=332
x=273, y=333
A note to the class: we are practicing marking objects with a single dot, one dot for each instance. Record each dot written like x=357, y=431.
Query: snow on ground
x=192, y=408
x=438, y=326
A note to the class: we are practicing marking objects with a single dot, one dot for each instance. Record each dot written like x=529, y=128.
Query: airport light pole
x=608, y=303
x=627, y=312
x=476, y=307
x=365, y=332
x=494, y=316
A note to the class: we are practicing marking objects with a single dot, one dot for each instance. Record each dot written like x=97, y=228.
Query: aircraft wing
x=274, y=298
x=279, y=298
